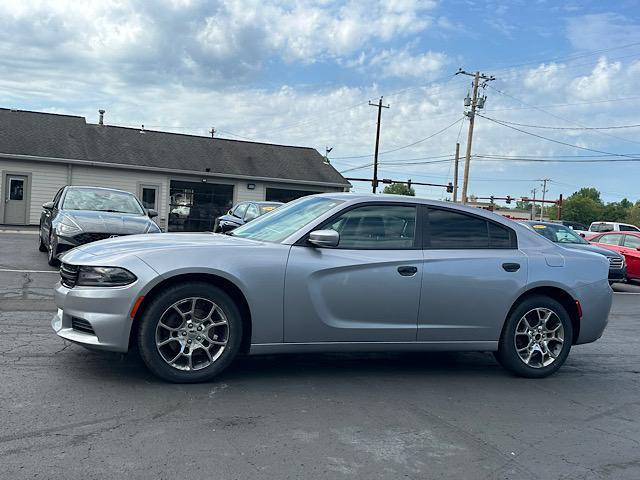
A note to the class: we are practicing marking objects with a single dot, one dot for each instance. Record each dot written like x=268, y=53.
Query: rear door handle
x=407, y=270
x=511, y=267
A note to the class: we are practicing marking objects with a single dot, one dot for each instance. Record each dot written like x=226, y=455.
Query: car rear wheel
x=190, y=333
x=536, y=338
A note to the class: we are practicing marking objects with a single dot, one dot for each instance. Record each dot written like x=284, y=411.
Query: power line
x=551, y=139
x=403, y=146
x=570, y=128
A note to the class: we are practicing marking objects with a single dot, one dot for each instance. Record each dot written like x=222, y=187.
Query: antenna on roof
x=101, y=120
x=327, y=151
x=212, y=132
x=142, y=129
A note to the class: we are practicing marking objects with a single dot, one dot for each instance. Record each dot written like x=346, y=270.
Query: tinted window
x=611, y=239
x=252, y=212
x=631, y=241
x=240, y=210
x=449, y=229
x=16, y=189
x=601, y=227
x=628, y=228
x=149, y=197
x=376, y=227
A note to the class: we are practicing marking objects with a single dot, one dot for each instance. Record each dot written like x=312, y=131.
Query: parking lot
x=71, y=413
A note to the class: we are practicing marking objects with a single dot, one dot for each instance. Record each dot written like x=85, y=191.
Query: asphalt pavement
x=70, y=413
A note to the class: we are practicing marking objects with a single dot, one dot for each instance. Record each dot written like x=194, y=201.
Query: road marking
x=15, y=270
x=18, y=232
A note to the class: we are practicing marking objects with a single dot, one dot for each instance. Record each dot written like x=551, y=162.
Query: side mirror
x=48, y=206
x=229, y=212
x=324, y=238
x=152, y=213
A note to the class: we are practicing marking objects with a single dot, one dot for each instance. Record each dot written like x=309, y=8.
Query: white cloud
x=603, y=30
x=402, y=64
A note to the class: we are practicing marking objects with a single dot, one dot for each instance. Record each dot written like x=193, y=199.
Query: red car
x=625, y=243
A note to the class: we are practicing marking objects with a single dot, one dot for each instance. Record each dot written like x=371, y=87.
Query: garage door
x=194, y=206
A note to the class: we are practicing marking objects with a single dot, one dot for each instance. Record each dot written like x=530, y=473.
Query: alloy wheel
x=539, y=337
x=192, y=334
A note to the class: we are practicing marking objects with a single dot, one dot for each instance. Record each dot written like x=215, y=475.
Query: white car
x=599, y=227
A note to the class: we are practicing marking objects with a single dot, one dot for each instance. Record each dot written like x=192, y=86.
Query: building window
x=149, y=196
x=194, y=206
x=16, y=189
x=285, y=195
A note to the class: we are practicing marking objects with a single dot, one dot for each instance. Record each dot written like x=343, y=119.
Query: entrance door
x=15, y=200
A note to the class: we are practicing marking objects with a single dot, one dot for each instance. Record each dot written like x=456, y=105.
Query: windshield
x=101, y=201
x=286, y=220
x=558, y=233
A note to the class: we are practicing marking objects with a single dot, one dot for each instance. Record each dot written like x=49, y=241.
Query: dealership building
x=189, y=180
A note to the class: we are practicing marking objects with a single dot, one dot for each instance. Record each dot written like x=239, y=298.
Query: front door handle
x=511, y=267
x=407, y=270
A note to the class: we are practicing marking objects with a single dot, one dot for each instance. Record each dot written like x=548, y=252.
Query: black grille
x=81, y=325
x=615, y=262
x=88, y=237
x=69, y=274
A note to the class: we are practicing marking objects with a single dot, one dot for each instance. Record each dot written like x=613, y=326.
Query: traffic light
x=508, y=198
x=491, y=198
x=450, y=188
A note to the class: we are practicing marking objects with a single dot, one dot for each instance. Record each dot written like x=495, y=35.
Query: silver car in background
x=336, y=272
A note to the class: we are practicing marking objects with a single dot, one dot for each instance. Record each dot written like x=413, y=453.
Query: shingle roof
x=71, y=137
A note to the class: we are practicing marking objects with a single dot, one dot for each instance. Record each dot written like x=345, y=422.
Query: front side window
x=376, y=227
x=286, y=220
x=631, y=241
x=448, y=229
x=239, y=210
x=252, y=213
x=101, y=201
x=611, y=239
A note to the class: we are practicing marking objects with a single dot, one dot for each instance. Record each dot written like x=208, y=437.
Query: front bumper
x=617, y=274
x=106, y=309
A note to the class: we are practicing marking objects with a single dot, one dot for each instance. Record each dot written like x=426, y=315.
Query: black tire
x=507, y=354
x=52, y=251
x=160, y=304
x=41, y=245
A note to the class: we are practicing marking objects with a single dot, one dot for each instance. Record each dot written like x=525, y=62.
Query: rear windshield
x=101, y=201
x=602, y=227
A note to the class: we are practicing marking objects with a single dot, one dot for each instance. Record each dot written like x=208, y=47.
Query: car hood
x=109, y=222
x=591, y=248
x=139, y=244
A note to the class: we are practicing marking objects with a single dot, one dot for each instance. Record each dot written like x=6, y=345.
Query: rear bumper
x=595, y=300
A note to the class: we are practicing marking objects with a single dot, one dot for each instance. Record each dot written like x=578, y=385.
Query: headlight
x=104, y=277
x=68, y=227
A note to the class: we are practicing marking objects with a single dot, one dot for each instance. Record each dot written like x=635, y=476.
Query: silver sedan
x=336, y=272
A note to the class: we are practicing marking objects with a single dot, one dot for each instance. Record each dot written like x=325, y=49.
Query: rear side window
x=447, y=229
x=610, y=239
x=628, y=228
x=631, y=241
x=601, y=227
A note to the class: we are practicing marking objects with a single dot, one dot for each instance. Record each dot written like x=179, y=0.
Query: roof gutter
x=89, y=163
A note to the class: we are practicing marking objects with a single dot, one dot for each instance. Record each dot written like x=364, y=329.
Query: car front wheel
x=41, y=245
x=190, y=333
x=536, y=338
x=52, y=258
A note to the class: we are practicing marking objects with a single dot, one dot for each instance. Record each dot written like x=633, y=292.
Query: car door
x=473, y=272
x=611, y=241
x=48, y=215
x=366, y=289
x=630, y=246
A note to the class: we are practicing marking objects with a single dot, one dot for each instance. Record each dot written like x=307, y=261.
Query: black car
x=79, y=215
x=242, y=213
x=566, y=237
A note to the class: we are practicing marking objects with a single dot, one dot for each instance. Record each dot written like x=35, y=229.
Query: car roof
x=268, y=203
x=79, y=187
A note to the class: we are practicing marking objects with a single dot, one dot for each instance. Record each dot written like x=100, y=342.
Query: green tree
x=616, y=212
x=589, y=192
x=633, y=214
x=578, y=208
x=399, y=189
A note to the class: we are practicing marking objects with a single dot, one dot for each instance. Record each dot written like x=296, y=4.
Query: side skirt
x=268, y=348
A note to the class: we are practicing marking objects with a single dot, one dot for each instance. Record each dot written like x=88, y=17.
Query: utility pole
x=533, y=204
x=374, y=182
x=474, y=103
x=455, y=174
x=544, y=190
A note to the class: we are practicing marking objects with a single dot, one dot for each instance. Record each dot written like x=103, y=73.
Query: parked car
x=625, y=243
x=336, y=272
x=600, y=227
x=242, y=213
x=568, y=238
x=79, y=215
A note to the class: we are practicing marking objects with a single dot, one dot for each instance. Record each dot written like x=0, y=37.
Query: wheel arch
x=223, y=283
x=563, y=297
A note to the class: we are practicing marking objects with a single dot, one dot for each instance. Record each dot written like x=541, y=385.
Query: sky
x=303, y=72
